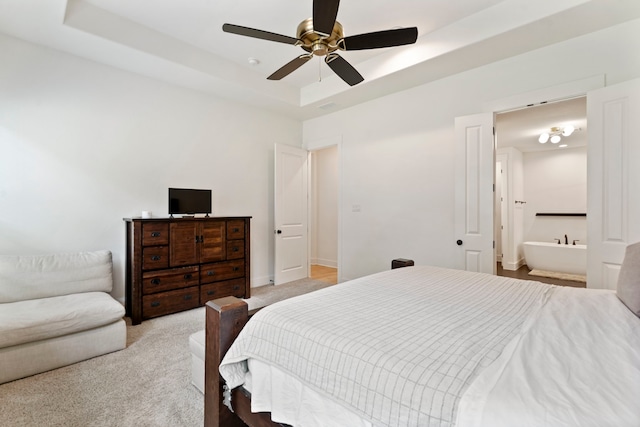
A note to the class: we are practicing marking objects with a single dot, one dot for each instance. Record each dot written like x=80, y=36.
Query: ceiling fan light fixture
x=319, y=48
x=555, y=139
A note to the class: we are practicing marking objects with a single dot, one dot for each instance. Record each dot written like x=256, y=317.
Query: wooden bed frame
x=225, y=318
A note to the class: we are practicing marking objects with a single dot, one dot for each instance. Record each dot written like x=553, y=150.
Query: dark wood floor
x=523, y=273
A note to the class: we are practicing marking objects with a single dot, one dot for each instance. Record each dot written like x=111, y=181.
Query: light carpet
x=265, y=295
x=557, y=275
x=146, y=384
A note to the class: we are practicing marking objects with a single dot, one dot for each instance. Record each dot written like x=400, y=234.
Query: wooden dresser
x=176, y=264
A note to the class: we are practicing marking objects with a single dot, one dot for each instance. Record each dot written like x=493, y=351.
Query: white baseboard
x=261, y=281
x=513, y=266
x=325, y=262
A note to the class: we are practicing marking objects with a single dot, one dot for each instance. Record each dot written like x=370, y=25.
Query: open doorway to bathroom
x=541, y=188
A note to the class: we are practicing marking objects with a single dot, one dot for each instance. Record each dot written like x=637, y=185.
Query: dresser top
x=183, y=218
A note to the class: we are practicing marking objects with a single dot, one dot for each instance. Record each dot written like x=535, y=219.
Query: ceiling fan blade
x=343, y=69
x=325, y=13
x=290, y=67
x=379, y=39
x=258, y=34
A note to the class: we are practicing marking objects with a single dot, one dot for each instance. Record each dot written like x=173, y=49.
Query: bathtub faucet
x=566, y=240
x=558, y=240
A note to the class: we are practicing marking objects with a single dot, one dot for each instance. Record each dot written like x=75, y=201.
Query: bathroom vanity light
x=555, y=134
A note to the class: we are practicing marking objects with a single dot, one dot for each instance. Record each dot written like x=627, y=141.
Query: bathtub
x=560, y=258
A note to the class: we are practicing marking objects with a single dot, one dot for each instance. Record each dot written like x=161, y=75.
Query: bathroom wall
x=555, y=182
x=512, y=190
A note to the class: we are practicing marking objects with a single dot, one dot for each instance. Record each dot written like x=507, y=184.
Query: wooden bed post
x=225, y=318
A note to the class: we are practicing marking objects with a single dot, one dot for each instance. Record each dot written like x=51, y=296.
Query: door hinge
x=494, y=244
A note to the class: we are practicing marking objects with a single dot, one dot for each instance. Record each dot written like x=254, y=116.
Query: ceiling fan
x=322, y=35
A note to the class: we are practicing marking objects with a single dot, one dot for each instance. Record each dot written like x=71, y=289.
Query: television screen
x=189, y=201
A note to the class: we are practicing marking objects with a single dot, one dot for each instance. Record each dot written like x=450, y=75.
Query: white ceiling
x=182, y=42
x=521, y=128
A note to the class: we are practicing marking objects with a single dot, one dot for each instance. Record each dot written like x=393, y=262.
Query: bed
x=428, y=346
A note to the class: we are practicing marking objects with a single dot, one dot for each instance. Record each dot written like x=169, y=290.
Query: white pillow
x=629, y=279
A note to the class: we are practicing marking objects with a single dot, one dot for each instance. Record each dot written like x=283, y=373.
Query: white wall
x=324, y=238
x=513, y=193
x=555, y=181
x=397, y=152
x=83, y=145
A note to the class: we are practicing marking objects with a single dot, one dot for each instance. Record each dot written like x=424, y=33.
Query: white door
x=290, y=216
x=613, y=179
x=474, y=191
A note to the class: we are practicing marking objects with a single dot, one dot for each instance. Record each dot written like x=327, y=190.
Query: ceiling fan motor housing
x=315, y=43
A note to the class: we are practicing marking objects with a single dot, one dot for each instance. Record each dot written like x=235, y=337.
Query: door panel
x=475, y=165
x=183, y=249
x=212, y=245
x=613, y=179
x=291, y=204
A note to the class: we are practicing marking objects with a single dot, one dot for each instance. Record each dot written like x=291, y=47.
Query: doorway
x=535, y=180
x=324, y=189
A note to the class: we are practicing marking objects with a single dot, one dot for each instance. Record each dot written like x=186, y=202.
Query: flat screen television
x=186, y=201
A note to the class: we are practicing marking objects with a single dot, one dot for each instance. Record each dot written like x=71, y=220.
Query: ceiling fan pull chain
x=319, y=70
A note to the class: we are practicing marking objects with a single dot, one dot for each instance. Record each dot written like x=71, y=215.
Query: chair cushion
x=629, y=279
x=42, y=276
x=38, y=319
x=196, y=344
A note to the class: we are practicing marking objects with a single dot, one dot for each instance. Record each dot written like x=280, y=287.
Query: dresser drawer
x=235, y=249
x=235, y=229
x=225, y=288
x=155, y=257
x=166, y=280
x=221, y=271
x=170, y=302
x=155, y=233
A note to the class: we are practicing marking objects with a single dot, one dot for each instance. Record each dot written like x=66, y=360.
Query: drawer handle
x=155, y=304
x=187, y=276
x=187, y=297
x=211, y=292
x=156, y=258
x=155, y=281
x=235, y=230
x=155, y=234
x=236, y=268
x=236, y=287
x=210, y=273
x=235, y=249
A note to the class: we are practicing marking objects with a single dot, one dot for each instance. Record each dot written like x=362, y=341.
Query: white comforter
x=576, y=363
x=424, y=346
x=398, y=348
